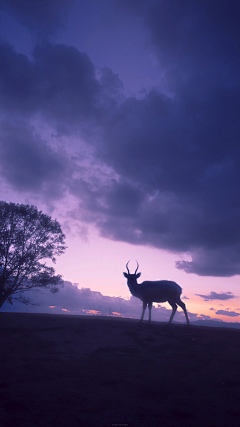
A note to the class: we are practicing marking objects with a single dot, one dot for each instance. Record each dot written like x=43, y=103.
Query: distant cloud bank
x=228, y=313
x=72, y=300
x=82, y=301
x=216, y=296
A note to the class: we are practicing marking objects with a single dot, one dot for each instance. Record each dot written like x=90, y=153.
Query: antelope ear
x=125, y=274
x=138, y=275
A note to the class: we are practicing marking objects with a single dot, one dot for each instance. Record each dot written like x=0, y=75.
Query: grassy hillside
x=59, y=370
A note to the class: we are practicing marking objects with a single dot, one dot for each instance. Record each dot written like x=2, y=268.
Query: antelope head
x=134, y=276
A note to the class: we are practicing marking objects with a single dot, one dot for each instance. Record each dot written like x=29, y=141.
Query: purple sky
x=121, y=119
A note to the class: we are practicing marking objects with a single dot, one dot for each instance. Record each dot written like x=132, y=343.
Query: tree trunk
x=3, y=298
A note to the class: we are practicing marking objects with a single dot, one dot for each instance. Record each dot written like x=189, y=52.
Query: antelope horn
x=127, y=267
x=136, y=268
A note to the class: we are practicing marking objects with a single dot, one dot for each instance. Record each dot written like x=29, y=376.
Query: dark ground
x=59, y=370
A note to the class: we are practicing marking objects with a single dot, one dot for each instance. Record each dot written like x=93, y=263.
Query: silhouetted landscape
x=59, y=370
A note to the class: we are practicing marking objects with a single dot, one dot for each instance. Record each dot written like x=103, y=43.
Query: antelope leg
x=174, y=307
x=149, y=308
x=144, y=308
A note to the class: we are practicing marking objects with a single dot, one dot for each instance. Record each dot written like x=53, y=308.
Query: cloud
x=192, y=40
x=166, y=167
x=59, y=82
x=176, y=148
x=203, y=317
x=44, y=17
x=70, y=299
x=228, y=313
x=187, y=196
x=52, y=97
x=74, y=300
x=216, y=296
x=223, y=261
x=27, y=163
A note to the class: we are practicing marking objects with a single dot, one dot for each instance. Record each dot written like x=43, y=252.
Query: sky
x=120, y=119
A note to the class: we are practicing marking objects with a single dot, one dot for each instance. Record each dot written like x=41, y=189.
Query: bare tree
x=27, y=237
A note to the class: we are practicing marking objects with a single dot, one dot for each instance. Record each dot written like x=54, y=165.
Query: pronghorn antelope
x=157, y=291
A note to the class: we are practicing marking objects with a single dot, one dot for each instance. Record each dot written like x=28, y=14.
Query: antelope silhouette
x=155, y=291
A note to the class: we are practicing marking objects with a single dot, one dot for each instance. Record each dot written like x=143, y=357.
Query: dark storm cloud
x=223, y=261
x=216, y=296
x=59, y=82
x=174, y=158
x=58, y=87
x=196, y=42
x=227, y=313
x=183, y=152
x=27, y=163
x=41, y=16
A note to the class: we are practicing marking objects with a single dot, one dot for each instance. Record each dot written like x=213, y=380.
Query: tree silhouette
x=27, y=237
